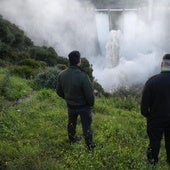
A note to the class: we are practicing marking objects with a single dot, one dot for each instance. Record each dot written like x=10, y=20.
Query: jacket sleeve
x=60, y=91
x=88, y=90
x=146, y=100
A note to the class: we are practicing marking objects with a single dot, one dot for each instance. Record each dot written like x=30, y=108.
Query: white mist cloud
x=64, y=24
x=144, y=40
x=69, y=24
x=128, y=72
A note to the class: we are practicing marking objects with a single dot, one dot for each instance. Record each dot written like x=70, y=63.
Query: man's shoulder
x=153, y=79
x=80, y=71
x=63, y=71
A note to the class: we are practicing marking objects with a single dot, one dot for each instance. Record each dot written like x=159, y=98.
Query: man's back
x=75, y=86
x=155, y=106
x=157, y=95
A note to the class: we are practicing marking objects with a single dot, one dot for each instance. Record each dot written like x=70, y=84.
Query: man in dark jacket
x=155, y=106
x=75, y=87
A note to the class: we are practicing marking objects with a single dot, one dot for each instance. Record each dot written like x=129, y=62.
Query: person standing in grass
x=75, y=87
x=155, y=106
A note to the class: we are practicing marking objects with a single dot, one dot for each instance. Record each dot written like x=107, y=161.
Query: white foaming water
x=139, y=50
x=127, y=73
x=102, y=24
x=113, y=48
x=150, y=9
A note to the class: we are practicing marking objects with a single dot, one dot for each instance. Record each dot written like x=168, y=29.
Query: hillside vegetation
x=33, y=119
x=33, y=132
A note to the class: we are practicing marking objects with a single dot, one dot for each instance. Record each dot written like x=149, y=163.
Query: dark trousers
x=86, y=120
x=155, y=130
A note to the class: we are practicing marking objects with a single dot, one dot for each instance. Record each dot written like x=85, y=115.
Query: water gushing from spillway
x=113, y=49
x=109, y=41
x=102, y=24
x=134, y=51
x=150, y=9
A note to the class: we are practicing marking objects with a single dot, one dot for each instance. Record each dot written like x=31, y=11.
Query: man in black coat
x=155, y=106
x=75, y=87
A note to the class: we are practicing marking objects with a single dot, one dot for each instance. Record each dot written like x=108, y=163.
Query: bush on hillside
x=10, y=55
x=4, y=63
x=133, y=92
x=13, y=88
x=23, y=71
x=98, y=88
x=4, y=83
x=5, y=33
x=32, y=63
x=126, y=103
x=48, y=78
x=47, y=55
x=16, y=57
x=61, y=66
x=17, y=88
x=4, y=50
x=62, y=60
x=11, y=35
x=85, y=65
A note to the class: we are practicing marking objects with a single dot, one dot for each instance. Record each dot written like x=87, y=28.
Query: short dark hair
x=166, y=57
x=166, y=60
x=74, y=57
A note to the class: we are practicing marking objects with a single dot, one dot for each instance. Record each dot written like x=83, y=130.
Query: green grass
x=33, y=134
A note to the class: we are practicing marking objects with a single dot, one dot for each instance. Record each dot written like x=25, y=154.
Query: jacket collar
x=74, y=67
x=165, y=69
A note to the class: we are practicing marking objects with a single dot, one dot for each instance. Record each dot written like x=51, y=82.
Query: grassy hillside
x=33, y=133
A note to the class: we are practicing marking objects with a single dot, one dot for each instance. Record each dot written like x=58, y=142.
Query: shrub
x=126, y=103
x=62, y=60
x=133, y=92
x=16, y=88
x=98, y=88
x=12, y=88
x=4, y=83
x=27, y=42
x=48, y=78
x=13, y=36
x=16, y=57
x=48, y=55
x=4, y=50
x=4, y=63
x=87, y=68
x=23, y=71
x=61, y=66
x=5, y=33
x=32, y=63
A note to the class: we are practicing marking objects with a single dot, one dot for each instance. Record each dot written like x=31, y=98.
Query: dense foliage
x=12, y=36
x=48, y=55
x=48, y=78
